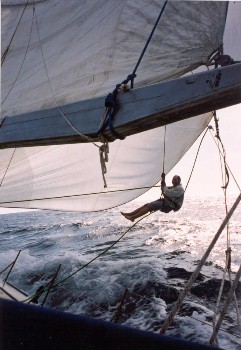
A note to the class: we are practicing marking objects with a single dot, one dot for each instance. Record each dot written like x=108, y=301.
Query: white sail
x=66, y=51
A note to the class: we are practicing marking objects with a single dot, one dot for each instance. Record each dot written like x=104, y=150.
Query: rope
x=238, y=186
x=8, y=47
x=236, y=303
x=225, y=307
x=52, y=90
x=147, y=43
x=25, y=55
x=95, y=258
x=224, y=153
x=103, y=151
x=104, y=155
x=164, y=150
x=220, y=293
x=225, y=179
x=228, y=251
x=194, y=275
x=7, y=167
x=79, y=195
x=111, y=99
x=196, y=157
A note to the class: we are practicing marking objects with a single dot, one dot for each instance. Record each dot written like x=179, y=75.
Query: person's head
x=176, y=180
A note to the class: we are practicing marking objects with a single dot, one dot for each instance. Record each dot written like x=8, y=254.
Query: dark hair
x=179, y=179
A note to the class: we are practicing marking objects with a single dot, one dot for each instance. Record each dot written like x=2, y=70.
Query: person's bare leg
x=136, y=213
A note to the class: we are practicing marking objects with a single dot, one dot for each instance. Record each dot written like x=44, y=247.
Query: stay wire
x=196, y=158
x=148, y=41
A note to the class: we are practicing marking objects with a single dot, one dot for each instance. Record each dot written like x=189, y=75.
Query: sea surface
x=136, y=281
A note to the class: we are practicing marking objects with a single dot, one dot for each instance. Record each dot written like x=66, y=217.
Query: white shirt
x=175, y=194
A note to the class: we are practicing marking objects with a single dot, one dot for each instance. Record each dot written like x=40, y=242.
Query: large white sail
x=59, y=52
x=66, y=51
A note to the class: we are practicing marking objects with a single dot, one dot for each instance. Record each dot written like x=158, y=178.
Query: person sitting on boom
x=173, y=197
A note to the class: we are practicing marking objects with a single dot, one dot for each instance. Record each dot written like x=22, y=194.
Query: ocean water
x=144, y=272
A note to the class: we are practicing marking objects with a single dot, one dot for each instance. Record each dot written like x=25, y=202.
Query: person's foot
x=127, y=216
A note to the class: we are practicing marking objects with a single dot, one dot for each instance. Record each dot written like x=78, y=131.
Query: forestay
x=67, y=51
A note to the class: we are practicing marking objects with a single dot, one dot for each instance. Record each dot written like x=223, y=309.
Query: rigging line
x=225, y=180
x=147, y=43
x=224, y=152
x=52, y=91
x=164, y=150
x=21, y=4
x=222, y=329
x=216, y=306
x=80, y=195
x=8, y=47
x=146, y=299
x=239, y=187
x=194, y=275
x=236, y=302
x=104, y=251
x=224, y=173
x=225, y=307
x=7, y=167
x=196, y=158
x=25, y=55
x=95, y=258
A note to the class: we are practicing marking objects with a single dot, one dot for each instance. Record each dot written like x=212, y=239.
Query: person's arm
x=163, y=183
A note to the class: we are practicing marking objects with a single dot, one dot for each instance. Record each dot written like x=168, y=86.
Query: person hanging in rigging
x=173, y=197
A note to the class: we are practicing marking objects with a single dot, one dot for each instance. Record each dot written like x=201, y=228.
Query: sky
x=206, y=178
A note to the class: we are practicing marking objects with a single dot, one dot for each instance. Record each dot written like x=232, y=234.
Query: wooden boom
x=138, y=110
